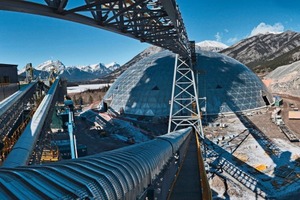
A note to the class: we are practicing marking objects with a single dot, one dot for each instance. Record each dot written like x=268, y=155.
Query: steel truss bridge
x=157, y=22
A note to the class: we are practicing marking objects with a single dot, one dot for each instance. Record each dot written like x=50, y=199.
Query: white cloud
x=232, y=40
x=266, y=28
x=226, y=30
x=218, y=37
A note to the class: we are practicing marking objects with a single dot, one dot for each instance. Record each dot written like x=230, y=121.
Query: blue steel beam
x=71, y=135
x=156, y=22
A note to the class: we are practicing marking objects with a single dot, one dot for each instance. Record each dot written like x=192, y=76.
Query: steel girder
x=157, y=22
x=184, y=110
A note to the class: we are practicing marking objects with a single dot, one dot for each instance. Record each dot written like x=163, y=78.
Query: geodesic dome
x=145, y=88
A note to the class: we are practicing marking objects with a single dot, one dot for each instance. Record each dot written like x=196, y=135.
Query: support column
x=184, y=109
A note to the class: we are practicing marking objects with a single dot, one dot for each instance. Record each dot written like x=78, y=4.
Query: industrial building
x=8, y=80
x=224, y=86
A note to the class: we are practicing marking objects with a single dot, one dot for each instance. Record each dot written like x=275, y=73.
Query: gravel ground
x=271, y=179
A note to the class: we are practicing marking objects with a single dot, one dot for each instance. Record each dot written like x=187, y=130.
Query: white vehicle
x=278, y=120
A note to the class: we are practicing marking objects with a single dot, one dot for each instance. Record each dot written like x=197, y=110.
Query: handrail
x=206, y=191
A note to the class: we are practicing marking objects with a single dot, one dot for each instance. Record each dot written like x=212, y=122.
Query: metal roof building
x=8, y=80
x=229, y=86
x=8, y=73
x=294, y=114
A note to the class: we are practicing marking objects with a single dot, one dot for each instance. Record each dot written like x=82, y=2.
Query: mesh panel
x=145, y=88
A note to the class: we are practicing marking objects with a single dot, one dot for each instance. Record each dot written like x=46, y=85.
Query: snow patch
x=209, y=45
x=82, y=88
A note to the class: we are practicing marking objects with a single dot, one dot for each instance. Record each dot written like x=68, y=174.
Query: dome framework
x=228, y=86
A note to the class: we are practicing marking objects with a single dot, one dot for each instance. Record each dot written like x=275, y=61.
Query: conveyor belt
x=26, y=143
x=123, y=173
x=12, y=99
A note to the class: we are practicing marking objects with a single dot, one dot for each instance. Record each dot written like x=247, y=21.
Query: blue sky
x=28, y=38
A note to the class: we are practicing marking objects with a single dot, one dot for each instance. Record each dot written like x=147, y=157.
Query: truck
x=278, y=120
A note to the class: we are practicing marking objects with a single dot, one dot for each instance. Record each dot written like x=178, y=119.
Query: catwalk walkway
x=188, y=185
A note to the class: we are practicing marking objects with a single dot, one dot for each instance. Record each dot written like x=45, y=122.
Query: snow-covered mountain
x=73, y=73
x=49, y=64
x=43, y=69
x=113, y=66
x=96, y=69
x=209, y=45
x=46, y=67
x=265, y=52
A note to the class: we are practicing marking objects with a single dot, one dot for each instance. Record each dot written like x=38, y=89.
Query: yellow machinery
x=50, y=155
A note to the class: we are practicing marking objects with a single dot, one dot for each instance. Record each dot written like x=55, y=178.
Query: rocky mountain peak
x=266, y=50
x=73, y=73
